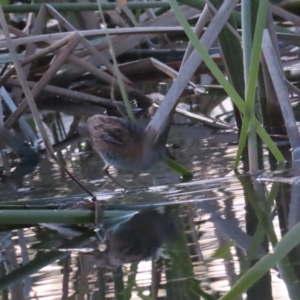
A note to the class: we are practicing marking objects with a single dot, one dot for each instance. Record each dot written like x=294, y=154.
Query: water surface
x=164, y=248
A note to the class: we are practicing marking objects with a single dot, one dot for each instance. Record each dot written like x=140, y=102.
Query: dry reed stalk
x=88, y=67
x=24, y=38
x=231, y=29
x=28, y=95
x=17, y=32
x=126, y=41
x=203, y=19
x=4, y=157
x=273, y=116
x=22, y=121
x=95, y=71
x=101, y=75
x=70, y=94
x=57, y=63
x=24, y=85
x=282, y=13
x=291, y=87
x=273, y=36
x=74, y=109
x=133, y=22
x=201, y=118
x=158, y=122
x=276, y=10
x=90, y=19
x=146, y=63
x=36, y=55
x=277, y=77
x=30, y=49
x=98, y=57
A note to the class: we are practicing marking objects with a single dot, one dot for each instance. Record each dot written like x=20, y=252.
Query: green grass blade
x=176, y=167
x=287, y=243
x=253, y=74
x=117, y=70
x=223, y=81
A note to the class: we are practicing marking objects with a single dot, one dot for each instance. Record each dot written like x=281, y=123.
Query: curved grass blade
x=223, y=81
x=252, y=78
x=176, y=167
x=117, y=70
x=287, y=243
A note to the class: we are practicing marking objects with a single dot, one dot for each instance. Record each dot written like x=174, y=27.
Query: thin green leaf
x=289, y=241
x=117, y=70
x=176, y=167
x=223, y=81
x=252, y=79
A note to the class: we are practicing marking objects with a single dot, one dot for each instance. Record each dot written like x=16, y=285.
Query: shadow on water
x=174, y=240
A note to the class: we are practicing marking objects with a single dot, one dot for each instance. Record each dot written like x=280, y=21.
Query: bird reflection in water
x=138, y=239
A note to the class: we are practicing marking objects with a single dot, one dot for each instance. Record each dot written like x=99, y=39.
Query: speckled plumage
x=123, y=143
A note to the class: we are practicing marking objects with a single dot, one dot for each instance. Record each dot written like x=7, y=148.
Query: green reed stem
x=223, y=81
x=79, y=7
x=289, y=241
x=251, y=74
x=30, y=216
x=116, y=68
x=176, y=167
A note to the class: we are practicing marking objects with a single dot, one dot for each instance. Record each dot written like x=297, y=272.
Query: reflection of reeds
x=55, y=64
x=179, y=266
x=43, y=260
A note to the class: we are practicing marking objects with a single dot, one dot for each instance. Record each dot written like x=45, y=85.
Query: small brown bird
x=124, y=144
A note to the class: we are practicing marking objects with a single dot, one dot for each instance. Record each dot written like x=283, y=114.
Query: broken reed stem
x=231, y=29
x=203, y=19
x=36, y=55
x=29, y=96
x=46, y=38
x=22, y=121
x=93, y=70
x=157, y=123
x=121, y=84
x=279, y=84
x=22, y=78
x=69, y=93
x=58, y=62
x=98, y=56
